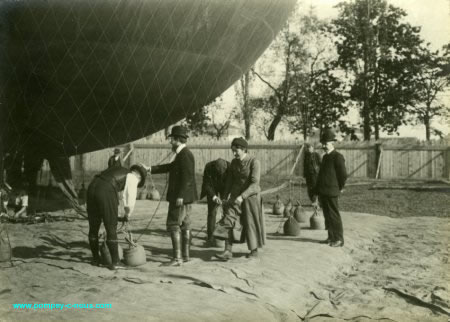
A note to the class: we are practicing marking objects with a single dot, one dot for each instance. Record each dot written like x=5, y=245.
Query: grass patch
x=361, y=197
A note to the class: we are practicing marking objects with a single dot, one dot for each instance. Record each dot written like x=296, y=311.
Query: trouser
x=211, y=220
x=178, y=217
x=311, y=182
x=333, y=221
x=102, y=206
x=312, y=195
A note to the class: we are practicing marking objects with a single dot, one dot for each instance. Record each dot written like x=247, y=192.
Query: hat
x=239, y=143
x=139, y=168
x=179, y=131
x=328, y=136
x=116, y=151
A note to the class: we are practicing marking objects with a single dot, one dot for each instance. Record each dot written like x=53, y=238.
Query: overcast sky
x=432, y=15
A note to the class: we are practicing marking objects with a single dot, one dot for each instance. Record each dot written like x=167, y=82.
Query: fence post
x=447, y=164
x=378, y=158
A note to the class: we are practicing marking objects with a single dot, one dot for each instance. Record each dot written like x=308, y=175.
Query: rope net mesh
x=83, y=75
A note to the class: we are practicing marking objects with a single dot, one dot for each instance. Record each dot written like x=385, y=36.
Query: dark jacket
x=311, y=166
x=332, y=175
x=112, y=162
x=214, y=178
x=181, y=177
x=116, y=176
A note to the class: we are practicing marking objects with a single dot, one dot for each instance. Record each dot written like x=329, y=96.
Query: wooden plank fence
x=408, y=162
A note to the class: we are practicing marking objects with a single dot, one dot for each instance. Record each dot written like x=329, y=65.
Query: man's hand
x=127, y=213
x=179, y=202
x=239, y=200
x=217, y=200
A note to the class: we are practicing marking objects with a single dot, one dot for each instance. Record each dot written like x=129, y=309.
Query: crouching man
x=213, y=187
x=102, y=205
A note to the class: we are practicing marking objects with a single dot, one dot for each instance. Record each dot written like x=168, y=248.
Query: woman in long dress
x=244, y=201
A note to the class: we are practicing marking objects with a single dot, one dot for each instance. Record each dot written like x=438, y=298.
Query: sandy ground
x=389, y=269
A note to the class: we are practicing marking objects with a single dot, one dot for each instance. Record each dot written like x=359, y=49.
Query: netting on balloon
x=81, y=76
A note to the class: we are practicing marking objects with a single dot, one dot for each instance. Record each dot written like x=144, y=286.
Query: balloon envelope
x=82, y=75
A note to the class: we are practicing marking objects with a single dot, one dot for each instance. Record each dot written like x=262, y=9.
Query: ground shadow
x=275, y=236
x=47, y=252
x=202, y=254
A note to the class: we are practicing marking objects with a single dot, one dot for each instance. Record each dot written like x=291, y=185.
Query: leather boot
x=176, y=246
x=328, y=240
x=113, y=247
x=93, y=243
x=227, y=253
x=186, y=244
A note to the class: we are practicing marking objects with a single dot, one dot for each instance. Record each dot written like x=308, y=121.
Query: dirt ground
x=393, y=269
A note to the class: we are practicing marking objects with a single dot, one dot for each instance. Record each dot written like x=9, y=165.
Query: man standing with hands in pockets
x=330, y=183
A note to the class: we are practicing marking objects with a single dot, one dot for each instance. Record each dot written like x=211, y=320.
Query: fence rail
x=362, y=160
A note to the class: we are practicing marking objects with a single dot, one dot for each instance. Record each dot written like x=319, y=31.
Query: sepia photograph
x=225, y=160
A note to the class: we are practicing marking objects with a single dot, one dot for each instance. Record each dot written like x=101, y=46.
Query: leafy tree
x=307, y=53
x=379, y=51
x=198, y=122
x=282, y=51
x=430, y=83
x=318, y=94
x=242, y=89
x=219, y=122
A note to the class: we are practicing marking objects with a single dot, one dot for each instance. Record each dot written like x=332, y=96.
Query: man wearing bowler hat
x=181, y=193
x=330, y=182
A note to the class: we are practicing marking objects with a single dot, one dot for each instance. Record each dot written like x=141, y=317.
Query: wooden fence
x=414, y=162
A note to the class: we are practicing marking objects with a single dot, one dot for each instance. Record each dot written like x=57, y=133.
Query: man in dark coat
x=181, y=193
x=311, y=171
x=330, y=182
x=114, y=160
x=102, y=205
x=214, y=178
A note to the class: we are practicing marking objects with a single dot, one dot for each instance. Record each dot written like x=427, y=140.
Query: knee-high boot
x=113, y=247
x=176, y=247
x=227, y=253
x=93, y=243
x=186, y=244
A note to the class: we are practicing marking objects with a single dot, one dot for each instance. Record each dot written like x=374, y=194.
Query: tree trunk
x=376, y=126
x=273, y=127
x=305, y=131
x=247, y=129
x=426, y=122
x=366, y=120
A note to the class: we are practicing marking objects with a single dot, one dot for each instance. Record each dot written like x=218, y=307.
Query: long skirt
x=252, y=219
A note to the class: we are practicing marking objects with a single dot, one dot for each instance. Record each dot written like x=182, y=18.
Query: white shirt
x=329, y=151
x=130, y=191
x=179, y=148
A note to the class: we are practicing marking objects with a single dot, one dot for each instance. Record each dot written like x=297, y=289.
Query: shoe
x=337, y=243
x=175, y=262
x=253, y=254
x=117, y=266
x=95, y=263
x=225, y=255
